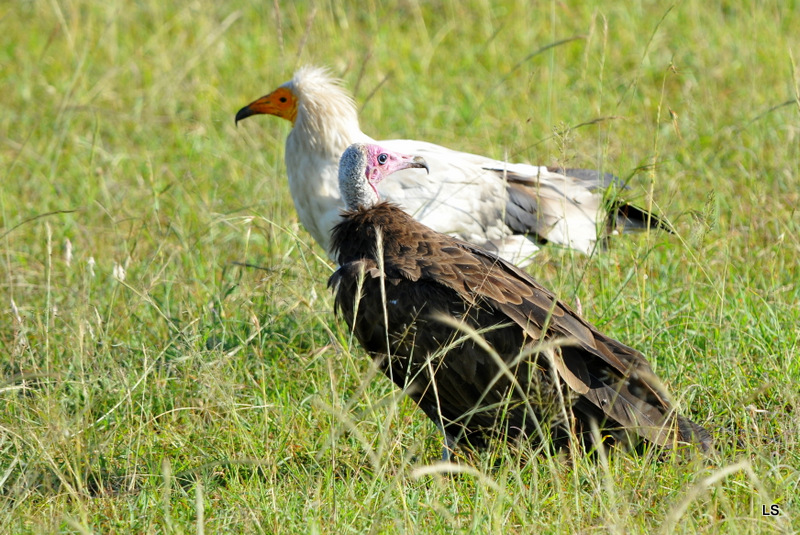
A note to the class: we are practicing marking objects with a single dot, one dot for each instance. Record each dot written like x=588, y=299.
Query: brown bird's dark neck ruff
x=356, y=236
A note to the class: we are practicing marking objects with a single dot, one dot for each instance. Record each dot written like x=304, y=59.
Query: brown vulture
x=478, y=344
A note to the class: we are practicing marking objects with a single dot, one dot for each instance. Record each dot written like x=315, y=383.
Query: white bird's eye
x=382, y=158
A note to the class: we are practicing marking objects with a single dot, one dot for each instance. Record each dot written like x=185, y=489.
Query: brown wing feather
x=428, y=273
x=614, y=377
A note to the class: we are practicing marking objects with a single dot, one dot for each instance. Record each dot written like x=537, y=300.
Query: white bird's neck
x=326, y=124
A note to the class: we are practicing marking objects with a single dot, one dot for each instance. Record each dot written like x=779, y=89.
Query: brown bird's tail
x=622, y=386
x=692, y=433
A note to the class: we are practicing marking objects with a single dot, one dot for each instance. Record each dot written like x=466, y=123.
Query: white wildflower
x=15, y=311
x=119, y=272
x=68, y=252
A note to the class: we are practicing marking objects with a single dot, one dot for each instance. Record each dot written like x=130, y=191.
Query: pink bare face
x=382, y=163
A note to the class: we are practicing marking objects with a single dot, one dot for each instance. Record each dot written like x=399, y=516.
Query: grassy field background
x=153, y=383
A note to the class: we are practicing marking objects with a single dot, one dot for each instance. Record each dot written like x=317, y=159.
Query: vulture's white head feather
x=326, y=113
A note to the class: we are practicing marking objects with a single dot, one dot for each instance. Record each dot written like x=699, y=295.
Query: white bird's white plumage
x=480, y=200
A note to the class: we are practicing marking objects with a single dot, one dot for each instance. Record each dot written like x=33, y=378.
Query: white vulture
x=508, y=208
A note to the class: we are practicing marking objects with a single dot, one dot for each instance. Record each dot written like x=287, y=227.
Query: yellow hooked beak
x=280, y=103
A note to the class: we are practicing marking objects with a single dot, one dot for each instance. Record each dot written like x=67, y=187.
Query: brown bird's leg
x=450, y=443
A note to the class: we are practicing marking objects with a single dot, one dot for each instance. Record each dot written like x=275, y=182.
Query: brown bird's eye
x=382, y=158
x=283, y=99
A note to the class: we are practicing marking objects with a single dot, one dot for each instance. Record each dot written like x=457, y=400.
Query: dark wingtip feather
x=626, y=217
x=629, y=218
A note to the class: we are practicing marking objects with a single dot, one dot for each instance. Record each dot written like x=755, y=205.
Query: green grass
x=198, y=394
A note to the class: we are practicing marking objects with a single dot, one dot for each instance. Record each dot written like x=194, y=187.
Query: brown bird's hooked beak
x=419, y=161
